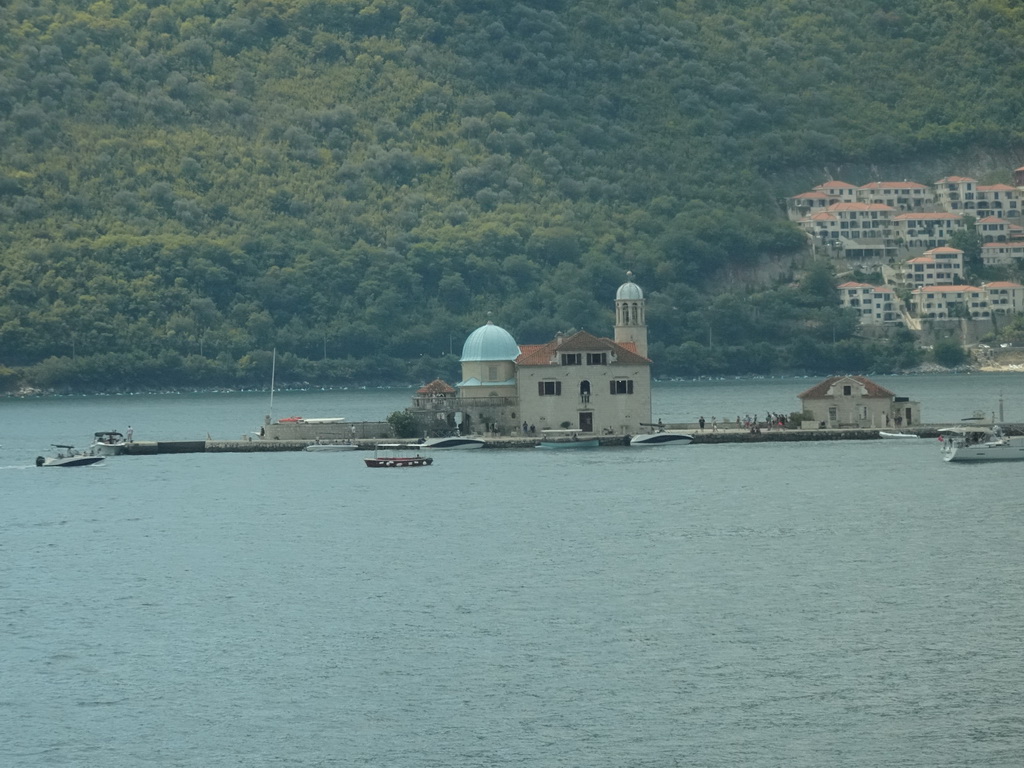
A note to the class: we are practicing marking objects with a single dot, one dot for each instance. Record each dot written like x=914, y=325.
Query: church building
x=577, y=381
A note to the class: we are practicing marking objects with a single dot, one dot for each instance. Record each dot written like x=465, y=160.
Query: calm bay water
x=848, y=604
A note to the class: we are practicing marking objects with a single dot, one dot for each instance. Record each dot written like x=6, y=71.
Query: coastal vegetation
x=186, y=186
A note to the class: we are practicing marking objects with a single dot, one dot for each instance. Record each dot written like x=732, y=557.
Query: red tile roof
x=945, y=289
x=436, y=387
x=821, y=389
x=581, y=341
x=893, y=185
x=1002, y=284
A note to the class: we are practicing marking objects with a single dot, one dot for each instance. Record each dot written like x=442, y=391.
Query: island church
x=577, y=381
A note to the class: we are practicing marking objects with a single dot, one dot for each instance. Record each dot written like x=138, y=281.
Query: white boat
x=570, y=443
x=108, y=444
x=67, y=456
x=980, y=444
x=452, y=443
x=896, y=435
x=566, y=438
x=661, y=438
x=330, y=447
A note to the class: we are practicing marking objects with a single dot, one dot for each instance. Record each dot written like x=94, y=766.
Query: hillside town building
x=904, y=228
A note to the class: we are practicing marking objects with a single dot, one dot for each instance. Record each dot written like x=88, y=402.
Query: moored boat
x=566, y=438
x=661, y=438
x=452, y=443
x=330, y=447
x=896, y=435
x=108, y=444
x=980, y=444
x=67, y=456
x=396, y=456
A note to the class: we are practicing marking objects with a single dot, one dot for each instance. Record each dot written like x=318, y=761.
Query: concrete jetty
x=707, y=437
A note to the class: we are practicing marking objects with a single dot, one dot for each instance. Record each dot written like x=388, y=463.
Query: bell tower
x=630, y=316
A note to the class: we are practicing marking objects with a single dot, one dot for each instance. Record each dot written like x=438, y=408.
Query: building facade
x=856, y=402
x=874, y=304
x=577, y=381
x=939, y=266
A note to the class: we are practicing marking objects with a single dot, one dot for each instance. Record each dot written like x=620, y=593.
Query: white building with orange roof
x=938, y=266
x=996, y=230
x=926, y=229
x=902, y=195
x=863, y=229
x=875, y=304
x=806, y=203
x=1002, y=254
x=957, y=193
x=838, y=191
x=999, y=200
x=1004, y=297
x=942, y=302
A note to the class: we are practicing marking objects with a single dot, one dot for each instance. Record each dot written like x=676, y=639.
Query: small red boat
x=390, y=456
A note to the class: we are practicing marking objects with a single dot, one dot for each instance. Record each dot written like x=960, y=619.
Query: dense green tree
x=187, y=185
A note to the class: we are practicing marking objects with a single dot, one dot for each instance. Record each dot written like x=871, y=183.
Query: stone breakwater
x=706, y=437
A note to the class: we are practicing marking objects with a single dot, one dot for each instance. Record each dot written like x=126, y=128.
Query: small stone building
x=856, y=402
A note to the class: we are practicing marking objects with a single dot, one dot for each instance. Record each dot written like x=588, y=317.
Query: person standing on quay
x=128, y=433
x=701, y=422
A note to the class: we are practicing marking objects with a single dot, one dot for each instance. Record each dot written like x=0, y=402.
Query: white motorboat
x=897, y=435
x=452, y=443
x=980, y=444
x=67, y=456
x=661, y=438
x=330, y=447
x=108, y=444
x=559, y=439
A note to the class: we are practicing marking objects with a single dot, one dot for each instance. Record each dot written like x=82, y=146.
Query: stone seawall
x=706, y=437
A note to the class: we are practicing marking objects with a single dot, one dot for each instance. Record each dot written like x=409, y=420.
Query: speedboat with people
x=108, y=444
x=67, y=456
x=980, y=443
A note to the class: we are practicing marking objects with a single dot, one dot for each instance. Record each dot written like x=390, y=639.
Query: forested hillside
x=186, y=185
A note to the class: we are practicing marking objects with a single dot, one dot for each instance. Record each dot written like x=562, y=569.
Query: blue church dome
x=489, y=343
x=629, y=292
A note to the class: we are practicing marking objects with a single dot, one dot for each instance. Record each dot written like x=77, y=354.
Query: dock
x=707, y=437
